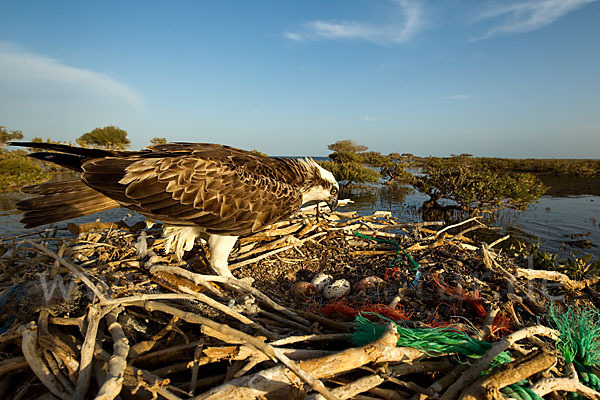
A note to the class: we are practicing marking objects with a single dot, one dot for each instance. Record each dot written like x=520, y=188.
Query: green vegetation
x=259, y=153
x=48, y=140
x=16, y=170
x=395, y=171
x=158, y=140
x=473, y=183
x=558, y=167
x=576, y=268
x=109, y=137
x=352, y=162
x=7, y=136
x=352, y=172
x=348, y=163
x=347, y=146
x=474, y=187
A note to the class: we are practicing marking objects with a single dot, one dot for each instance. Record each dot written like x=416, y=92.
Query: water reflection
x=401, y=200
x=8, y=200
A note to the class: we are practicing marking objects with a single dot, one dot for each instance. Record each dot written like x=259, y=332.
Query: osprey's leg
x=220, y=247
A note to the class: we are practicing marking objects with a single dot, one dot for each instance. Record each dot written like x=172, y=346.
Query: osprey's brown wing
x=227, y=191
x=282, y=170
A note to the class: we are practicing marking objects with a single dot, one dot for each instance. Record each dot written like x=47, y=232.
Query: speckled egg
x=370, y=282
x=339, y=288
x=303, y=290
x=321, y=280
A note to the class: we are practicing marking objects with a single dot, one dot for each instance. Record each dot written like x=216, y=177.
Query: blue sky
x=492, y=78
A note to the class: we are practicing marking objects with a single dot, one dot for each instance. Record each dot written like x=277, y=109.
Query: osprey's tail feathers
x=59, y=201
x=64, y=155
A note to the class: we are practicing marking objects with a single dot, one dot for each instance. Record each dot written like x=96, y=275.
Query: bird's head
x=319, y=184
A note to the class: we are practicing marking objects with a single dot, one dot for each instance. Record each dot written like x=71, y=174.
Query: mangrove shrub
x=352, y=162
x=16, y=170
x=352, y=172
x=109, y=137
x=473, y=187
x=7, y=136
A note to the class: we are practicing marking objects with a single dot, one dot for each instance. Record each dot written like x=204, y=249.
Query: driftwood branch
x=71, y=267
x=483, y=363
x=33, y=356
x=270, y=351
x=278, y=378
x=569, y=384
x=95, y=314
x=118, y=362
x=350, y=390
x=490, y=385
x=556, y=276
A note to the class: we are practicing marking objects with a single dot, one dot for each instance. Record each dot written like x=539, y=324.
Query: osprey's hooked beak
x=332, y=202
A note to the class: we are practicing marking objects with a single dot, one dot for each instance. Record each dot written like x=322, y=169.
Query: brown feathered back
x=226, y=190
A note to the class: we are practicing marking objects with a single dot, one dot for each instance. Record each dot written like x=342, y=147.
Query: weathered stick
x=287, y=322
x=187, y=274
x=158, y=355
x=495, y=242
x=197, y=355
x=556, y=276
x=12, y=364
x=234, y=283
x=438, y=233
x=264, y=299
x=53, y=363
x=489, y=386
x=351, y=389
x=262, y=256
x=482, y=364
x=32, y=354
x=95, y=314
x=157, y=384
x=118, y=362
x=71, y=267
x=278, y=378
x=10, y=335
x=270, y=351
x=330, y=323
x=312, y=338
x=147, y=297
x=181, y=286
x=493, y=265
x=569, y=384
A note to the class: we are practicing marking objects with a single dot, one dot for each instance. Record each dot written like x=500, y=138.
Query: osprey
x=204, y=190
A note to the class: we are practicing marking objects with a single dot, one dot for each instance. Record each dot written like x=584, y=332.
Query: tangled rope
x=400, y=253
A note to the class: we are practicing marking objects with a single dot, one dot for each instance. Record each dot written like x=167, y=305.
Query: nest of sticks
x=102, y=312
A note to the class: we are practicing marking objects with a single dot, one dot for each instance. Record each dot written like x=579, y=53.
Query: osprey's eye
x=333, y=191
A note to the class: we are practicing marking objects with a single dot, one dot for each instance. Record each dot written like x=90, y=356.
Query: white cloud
x=527, y=16
x=294, y=36
x=30, y=76
x=459, y=97
x=407, y=19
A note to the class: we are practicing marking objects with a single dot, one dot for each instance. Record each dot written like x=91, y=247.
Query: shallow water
x=552, y=221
